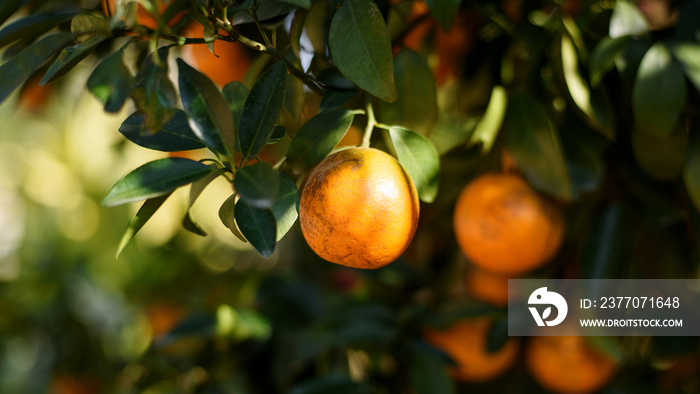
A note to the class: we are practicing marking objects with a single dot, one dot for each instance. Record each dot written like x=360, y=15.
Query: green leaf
x=235, y=93
x=601, y=245
x=189, y=224
x=428, y=373
x=330, y=383
x=691, y=172
x=286, y=208
x=257, y=184
x=361, y=48
x=18, y=69
x=198, y=186
x=489, y=125
x=334, y=98
x=444, y=11
x=111, y=82
x=258, y=226
x=497, y=335
x=262, y=109
x=267, y=9
x=33, y=25
x=85, y=27
x=604, y=55
x=8, y=7
x=416, y=105
x=688, y=54
x=627, y=20
x=662, y=158
x=209, y=114
x=532, y=140
x=318, y=137
x=175, y=136
x=69, y=58
x=277, y=135
x=154, y=179
x=144, y=213
x=305, y=4
x=228, y=218
x=154, y=94
x=420, y=159
x=594, y=104
x=687, y=27
x=658, y=95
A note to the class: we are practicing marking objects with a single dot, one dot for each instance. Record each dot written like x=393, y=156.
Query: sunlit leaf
x=626, y=20
x=70, y=57
x=688, y=54
x=318, y=137
x=154, y=93
x=227, y=214
x=144, y=213
x=154, y=179
x=444, y=11
x=33, y=25
x=416, y=105
x=208, y=112
x=489, y=125
x=286, y=208
x=659, y=91
x=420, y=159
x=532, y=140
x=257, y=184
x=360, y=46
x=258, y=226
x=175, y=136
x=111, y=82
x=262, y=109
x=16, y=70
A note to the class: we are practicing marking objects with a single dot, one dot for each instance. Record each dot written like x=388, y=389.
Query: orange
x=163, y=318
x=487, y=286
x=143, y=17
x=452, y=46
x=33, y=97
x=359, y=208
x=230, y=63
x=352, y=138
x=465, y=343
x=568, y=364
x=63, y=383
x=504, y=226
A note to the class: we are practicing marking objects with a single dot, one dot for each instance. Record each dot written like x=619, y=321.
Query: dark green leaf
x=154, y=94
x=8, y=7
x=235, y=94
x=428, y=371
x=361, y=48
x=69, y=58
x=497, y=335
x=154, y=179
x=627, y=20
x=277, y=135
x=444, y=11
x=144, y=213
x=416, y=105
x=306, y=4
x=296, y=30
x=688, y=54
x=662, y=158
x=201, y=324
x=489, y=125
x=15, y=71
x=228, y=217
x=334, y=98
x=258, y=226
x=286, y=208
x=318, y=137
x=33, y=25
x=601, y=245
x=535, y=144
x=659, y=93
x=257, y=184
x=333, y=383
x=604, y=55
x=209, y=114
x=262, y=109
x=593, y=103
x=189, y=224
x=691, y=172
x=420, y=159
x=266, y=10
x=198, y=186
x=111, y=82
x=687, y=27
x=175, y=136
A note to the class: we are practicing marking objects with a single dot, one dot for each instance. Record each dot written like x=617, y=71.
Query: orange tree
x=593, y=103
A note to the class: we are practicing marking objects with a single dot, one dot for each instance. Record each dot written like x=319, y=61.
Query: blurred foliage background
x=181, y=313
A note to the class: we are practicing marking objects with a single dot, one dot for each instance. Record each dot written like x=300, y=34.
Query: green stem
x=371, y=122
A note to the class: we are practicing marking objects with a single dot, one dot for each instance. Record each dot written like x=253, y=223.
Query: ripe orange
x=487, y=286
x=359, y=208
x=230, y=63
x=465, y=343
x=568, y=365
x=504, y=226
x=143, y=17
x=33, y=98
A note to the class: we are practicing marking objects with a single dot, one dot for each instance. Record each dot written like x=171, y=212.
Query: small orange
x=359, y=208
x=231, y=62
x=465, y=342
x=567, y=364
x=504, y=226
x=487, y=286
x=143, y=17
